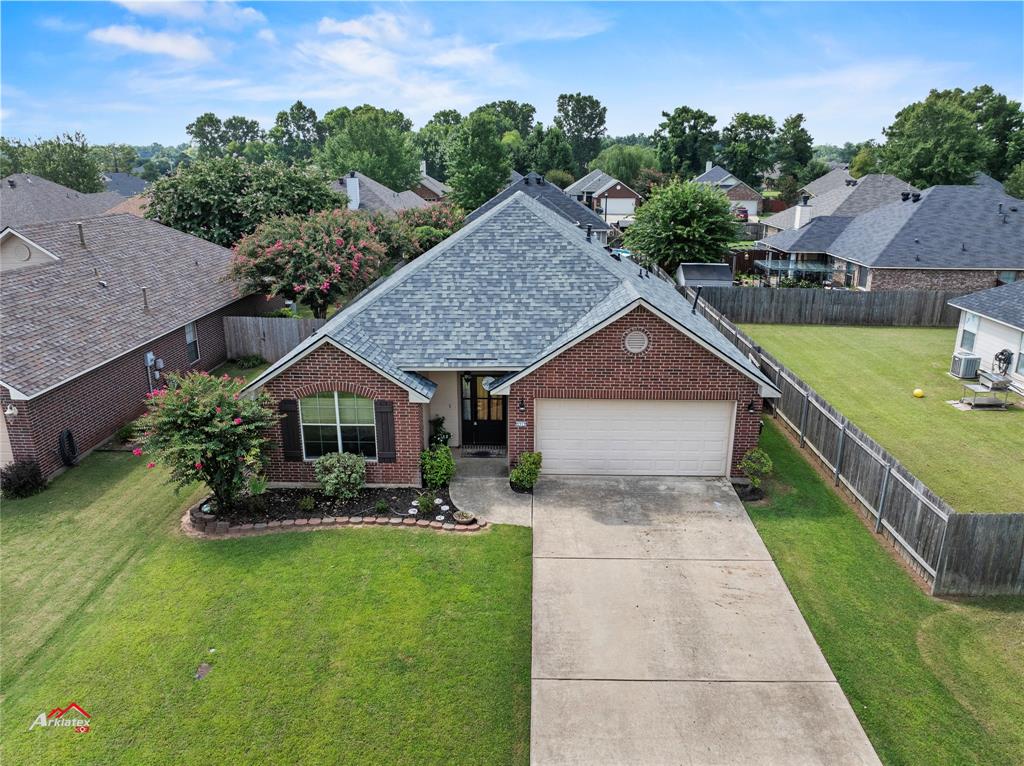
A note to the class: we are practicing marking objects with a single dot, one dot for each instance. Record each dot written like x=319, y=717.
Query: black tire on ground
x=67, y=448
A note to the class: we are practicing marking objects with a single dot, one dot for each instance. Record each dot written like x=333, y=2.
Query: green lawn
x=231, y=368
x=335, y=646
x=869, y=374
x=932, y=681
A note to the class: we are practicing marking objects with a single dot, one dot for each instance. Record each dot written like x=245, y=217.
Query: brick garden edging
x=206, y=525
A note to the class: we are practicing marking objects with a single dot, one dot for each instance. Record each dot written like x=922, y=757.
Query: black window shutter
x=291, y=439
x=384, y=416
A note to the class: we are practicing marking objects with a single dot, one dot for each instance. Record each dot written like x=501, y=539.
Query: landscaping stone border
x=206, y=525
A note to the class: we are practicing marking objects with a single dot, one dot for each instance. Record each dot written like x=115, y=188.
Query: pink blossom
x=137, y=451
x=237, y=421
x=216, y=409
x=198, y=465
x=150, y=465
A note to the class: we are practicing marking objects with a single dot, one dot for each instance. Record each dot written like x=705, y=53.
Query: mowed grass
x=932, y=681
x=971, y=459
x=369, y=646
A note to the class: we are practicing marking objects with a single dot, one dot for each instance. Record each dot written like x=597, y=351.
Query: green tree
x=647, y=180
x=317, y=259
x=793, y=145
x=934, y=141
x=560, y=178
x=207, y=134
x=66, y=159
x=370, y=143
x=833, y=153
x=432, y=139
x=748, y=146
x=297, y=133
x=814, y=169
x=518, y=150
x=242, y=131
x=115, y=158
x=682, y=222
x=222, y=199
x=12, y=156
x=478, y=164
x=865, y=161
x=512, y=115
x=788, y=188
x=624, y=162
x=1014, y=183
x=999, y=119
x=582, y=119
x=685, y=141
x=632, y=139
x=553, y=151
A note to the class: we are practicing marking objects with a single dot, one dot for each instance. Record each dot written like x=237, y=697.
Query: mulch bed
x=279, y=504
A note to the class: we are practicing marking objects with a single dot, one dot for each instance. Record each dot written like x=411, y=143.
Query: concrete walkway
x=481, y=487
x=663, y=633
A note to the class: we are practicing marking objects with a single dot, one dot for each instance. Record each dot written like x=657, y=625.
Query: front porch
x=476, y=420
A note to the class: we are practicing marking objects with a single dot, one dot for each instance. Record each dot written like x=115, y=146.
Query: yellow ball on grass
x=918, y=393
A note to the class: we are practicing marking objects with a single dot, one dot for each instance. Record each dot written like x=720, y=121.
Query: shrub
x=756, y=466
x=249, y=361
x=22, y=478
x=285, y=313
x=428, y=236
x=560, y=178
x=341, y=474
x=307, y=503
x=204, y=430
x=439, y=435
x=524, y=476
x=425, y=503
x=438, y=466
x=382, y=507
x=127, y=433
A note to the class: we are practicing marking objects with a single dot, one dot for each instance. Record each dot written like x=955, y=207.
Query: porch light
x=11, y=411
x=751, y=406
x=522, y=405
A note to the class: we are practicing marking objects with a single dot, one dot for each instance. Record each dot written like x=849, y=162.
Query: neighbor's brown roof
x=26, y=199
x=57, y=320
x=136, y=205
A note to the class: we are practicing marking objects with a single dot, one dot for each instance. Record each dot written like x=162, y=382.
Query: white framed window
x=1020, y=356
x=969, y=331
x=337, y=421
x=192, y=342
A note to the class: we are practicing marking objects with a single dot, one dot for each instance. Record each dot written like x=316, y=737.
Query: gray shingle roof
x=515, y=176
x=704, y=273
x=593, y=182
x=716, y=176
x=375, y=197
x=815, y=237
x=952, y=227
x=125, y=184
x=983, y=179
x=870, y=192
x=25, y=199
x=440, y=188
x=501, y=293
x=57, y=321
x=1004, y=304
x=551, y=197
x=833, y=179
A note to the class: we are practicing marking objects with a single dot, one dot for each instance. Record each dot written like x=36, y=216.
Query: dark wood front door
x=483, y=415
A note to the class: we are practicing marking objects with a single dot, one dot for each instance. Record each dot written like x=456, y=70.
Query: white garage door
x=641, y=438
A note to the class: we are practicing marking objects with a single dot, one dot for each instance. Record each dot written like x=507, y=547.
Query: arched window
x=337, y=421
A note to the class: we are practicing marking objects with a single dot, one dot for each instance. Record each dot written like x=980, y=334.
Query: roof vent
x=526, y=180
x=10, y=182
x=963, y=247
x=636, y=341
x=904, y=196
x=805, y=199
x=103, y=283
x=81, y=233
x=540, y=180
x=916, y=196
x=145, y=299
x=1000, y=208
x=351, y=174
x=590, y=231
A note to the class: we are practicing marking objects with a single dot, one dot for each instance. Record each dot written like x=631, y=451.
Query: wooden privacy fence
x=958, y=554
x=811, y=305
x=270, y=337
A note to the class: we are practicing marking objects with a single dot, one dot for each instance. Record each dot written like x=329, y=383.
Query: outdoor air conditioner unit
x=965, y=366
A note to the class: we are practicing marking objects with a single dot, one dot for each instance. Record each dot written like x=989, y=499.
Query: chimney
x=904, y=196
x=916, y=196
x=802, y=212
x=352, y=190
x=81, y=233
x=590, y=231
x=540, y=180
x=423, y=167
x=708, y=165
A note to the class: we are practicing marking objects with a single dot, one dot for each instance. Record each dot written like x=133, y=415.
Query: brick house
x=740, y=194
x=944, y=238
x=605, y=195
x=523, y=335
x=94, y=313
x=430, y=188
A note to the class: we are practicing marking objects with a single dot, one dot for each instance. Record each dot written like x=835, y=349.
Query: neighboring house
x=137, y=206
x=833, y=179
x=740, y=194
x=607, y=196
x=25, y=198
x=983, y=179
x=523, y=336
x=552, y=197
x=704, y=275
x=366, y=194
x=125, y=184
x=992, y=321
x=854, y=197
x=515, y=177
x=429, y=188
x=84, y=304
x=945, y=238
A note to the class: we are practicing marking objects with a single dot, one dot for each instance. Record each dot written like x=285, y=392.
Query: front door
x=483, y=415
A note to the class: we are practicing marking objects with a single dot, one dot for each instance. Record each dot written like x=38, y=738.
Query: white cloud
x=464, y=56
x=184, y=47
x=267, y=35
x=59, y=24
x=219, y=13
x=381, y=26
x=165, y=8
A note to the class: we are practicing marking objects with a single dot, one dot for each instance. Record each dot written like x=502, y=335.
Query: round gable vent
x=636, y=341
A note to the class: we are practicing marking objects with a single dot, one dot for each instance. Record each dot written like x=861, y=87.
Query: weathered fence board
x=809, y=305
x=270, y=337
x=959, y=554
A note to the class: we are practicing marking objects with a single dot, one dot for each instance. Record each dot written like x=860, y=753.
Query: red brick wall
x=328, y=369
x=932, y=279
x=96, y=404
x=673, y=367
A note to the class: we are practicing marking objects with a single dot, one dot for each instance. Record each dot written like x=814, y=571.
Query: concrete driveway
x=663, y=633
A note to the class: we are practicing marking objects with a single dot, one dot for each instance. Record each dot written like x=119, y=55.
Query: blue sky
x=138, y=72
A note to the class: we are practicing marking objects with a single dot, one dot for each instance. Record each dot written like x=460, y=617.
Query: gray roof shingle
x=815, y=237
x=593, y=182
x=58, y=321
x=375, y=197
x=1004, y=304
x=499, y=294
x=25, y=199
x=833, y=179
x=869, y=192
x=125, y=184
x=551, y=197
x=716, y=176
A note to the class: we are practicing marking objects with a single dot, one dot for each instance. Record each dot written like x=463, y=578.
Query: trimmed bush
x=22, y=478
x=756, y=466
x=341, y=474
x=524, y=476
x=439, y=435
x=438, y=466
